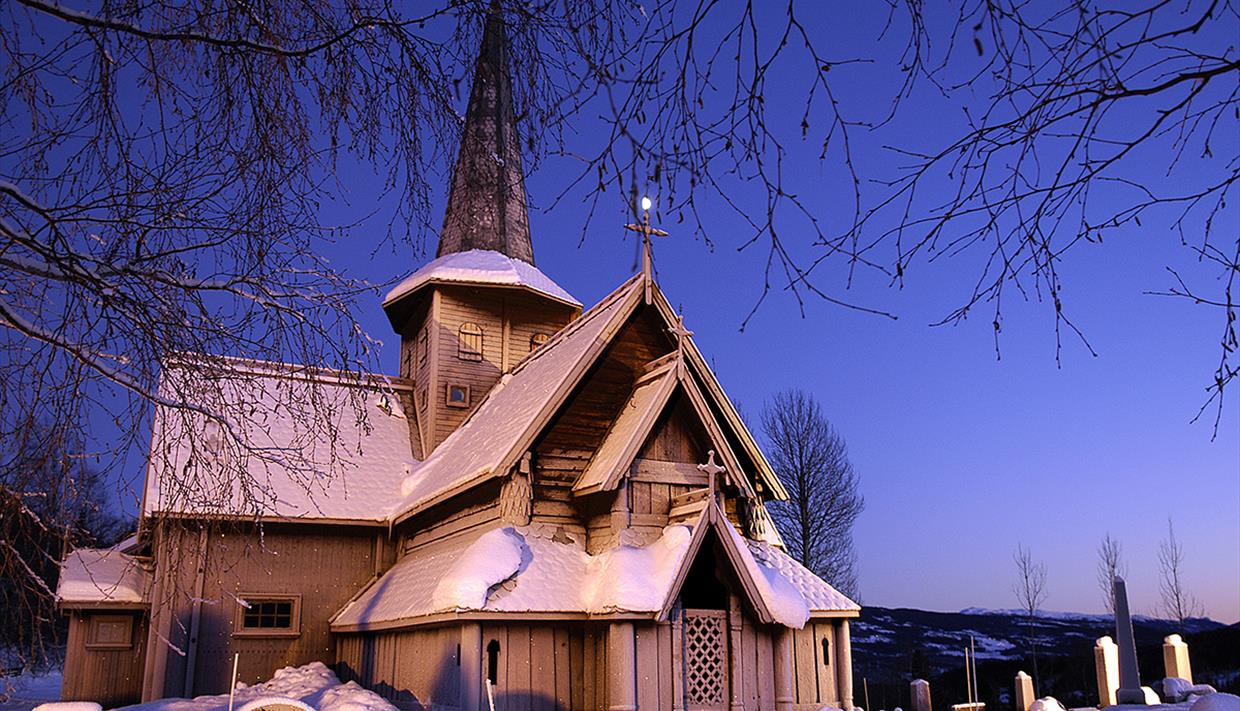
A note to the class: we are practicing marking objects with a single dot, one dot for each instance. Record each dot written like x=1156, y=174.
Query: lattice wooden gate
x=706, y=659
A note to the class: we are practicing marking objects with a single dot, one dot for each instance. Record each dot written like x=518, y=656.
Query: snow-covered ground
x=313, y=684
x=22, y=693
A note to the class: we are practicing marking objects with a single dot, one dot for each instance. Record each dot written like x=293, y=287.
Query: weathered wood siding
x=323, y=566
x=462, y=513
x=553, y=666
x=414, y=669
x=544, y=666
x=814, y=674
x=508, y=320
x=540, y=666
x=113, y=677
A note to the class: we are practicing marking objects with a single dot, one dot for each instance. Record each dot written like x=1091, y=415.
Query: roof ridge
x=577, y=323
x=285, y=370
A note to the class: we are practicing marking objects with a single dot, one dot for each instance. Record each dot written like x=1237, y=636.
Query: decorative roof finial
x=486, y=205
x=646, y=231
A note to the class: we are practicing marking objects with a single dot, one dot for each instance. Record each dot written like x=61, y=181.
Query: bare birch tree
x=811, y=459
x=1110, y=566
x=1030, y=591
x=1178, y=603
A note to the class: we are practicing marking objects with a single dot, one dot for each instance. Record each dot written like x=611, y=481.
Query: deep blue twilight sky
x=961, y=456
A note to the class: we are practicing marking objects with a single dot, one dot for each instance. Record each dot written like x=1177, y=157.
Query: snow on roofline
x=94, y=577
x=319, y=445
x=236, y=365
x=481, y=266
x=545, y=569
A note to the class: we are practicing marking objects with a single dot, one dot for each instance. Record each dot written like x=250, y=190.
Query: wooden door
x=706, y=659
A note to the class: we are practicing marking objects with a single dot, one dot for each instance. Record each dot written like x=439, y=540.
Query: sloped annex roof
x=541, y=569
x=318, y=445
x=102, y=577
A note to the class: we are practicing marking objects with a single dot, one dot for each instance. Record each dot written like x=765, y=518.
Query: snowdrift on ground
x=313, y=684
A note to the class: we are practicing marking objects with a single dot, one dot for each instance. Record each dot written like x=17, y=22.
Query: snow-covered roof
x=481, y=266
x=318, y=445
x=101, y=577
x=820, y=596
x=489, y=440
x=544, y=568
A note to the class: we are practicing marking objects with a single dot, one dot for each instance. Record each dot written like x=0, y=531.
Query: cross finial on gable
x=646, y=231
x=680, y=333
x=712, y=470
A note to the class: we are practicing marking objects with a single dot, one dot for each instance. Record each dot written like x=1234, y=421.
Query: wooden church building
x=546, y=509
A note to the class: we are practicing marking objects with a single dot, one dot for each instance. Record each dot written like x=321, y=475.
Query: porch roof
x=544, y=571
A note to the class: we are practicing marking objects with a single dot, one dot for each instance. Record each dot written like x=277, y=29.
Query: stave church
x=549, y=507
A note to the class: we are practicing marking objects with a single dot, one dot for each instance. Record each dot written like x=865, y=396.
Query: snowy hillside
x=885, y=640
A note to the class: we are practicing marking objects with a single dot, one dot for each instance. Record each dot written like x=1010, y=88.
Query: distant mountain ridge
x=891, y=646
x=886, y=640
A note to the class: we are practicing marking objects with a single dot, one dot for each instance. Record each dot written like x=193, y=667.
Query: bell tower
x=481, y=307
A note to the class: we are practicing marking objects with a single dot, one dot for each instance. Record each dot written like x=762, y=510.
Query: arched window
x=470, y=341
x=493, y=660
x=537, y=340
x=826, y=652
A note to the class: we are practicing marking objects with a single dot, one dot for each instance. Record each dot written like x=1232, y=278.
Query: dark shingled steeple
x=486, y=207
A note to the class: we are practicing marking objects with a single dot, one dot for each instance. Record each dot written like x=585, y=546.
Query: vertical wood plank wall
x=324, y=565
x=112, y=677
x=546, y=666
x=414, y=669
x=508, y=319
x=814, y=675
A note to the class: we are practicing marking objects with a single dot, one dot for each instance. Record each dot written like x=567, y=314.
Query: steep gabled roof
x=637, y=419
x=630, y=429
x=512, y=414
x=518, y=409
x=714, y=391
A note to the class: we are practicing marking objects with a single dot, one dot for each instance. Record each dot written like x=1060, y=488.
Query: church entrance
x=706, y=659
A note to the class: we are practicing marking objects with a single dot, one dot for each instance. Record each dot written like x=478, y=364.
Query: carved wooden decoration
x=706, y=659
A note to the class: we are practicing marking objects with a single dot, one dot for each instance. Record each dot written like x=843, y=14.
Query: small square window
x=458, y=395
x=110, y=632
x=268, y=616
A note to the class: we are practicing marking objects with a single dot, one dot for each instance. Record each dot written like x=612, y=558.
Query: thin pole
x=232, y=690
x=968, y=681
x=973, y=655
x=865, y=685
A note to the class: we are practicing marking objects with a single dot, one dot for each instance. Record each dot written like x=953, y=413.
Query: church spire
x=486, y=205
